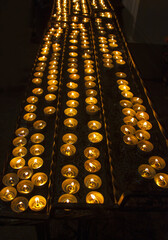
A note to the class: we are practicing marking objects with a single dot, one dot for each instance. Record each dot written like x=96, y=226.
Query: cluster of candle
x=79, y=7
x=24, y=181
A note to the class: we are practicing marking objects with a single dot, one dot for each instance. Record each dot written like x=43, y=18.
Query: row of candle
x=25, y=186
x=92, y=181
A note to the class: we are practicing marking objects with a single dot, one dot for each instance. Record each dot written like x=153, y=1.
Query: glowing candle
x=145, y=146
x=69, y=171
x=39, y=179
x=94, y=198
x=161, y=179
x=68, y=149
x=92, y=181
x=142, y=135
x=129, y=120
x=157, y=162
x=127, y=129
x=19, y=204
x=10, y=179
x=19, y=141
x=39, y=124
x=17, y=163
x=8, y=194
x=91, y=153
x=95, y=137
x=128, y=112
x=25, y=186
x=25, y=172
x=70, y=186
x=67, y=198
x=146, y=171
x=36, y=149
x=37, y=203
x=130, y=139
x=19, y=151
x=49, y=110
x=144, y=125
x=70, y=122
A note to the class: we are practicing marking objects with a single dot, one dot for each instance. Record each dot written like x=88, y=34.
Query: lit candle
x=92, y=109
x=142, y=115
x=94, y=198
x=49, y=110
x=17, y=163
x=145, y=146
x=19, y=204
x=92, y=181
x=120, y=61
x=25, y=172
x=10, y=179
x=127, y=94
x=37, y=91
x=68, y=150
x=74, y=76
x=157, y=162
x=69, y=171
x=39, y=179
x=37, y=203
x=73, y=94
x=19, y=141
x=8, y=194
x=70, y=122
x=146, y=171
x=92, y=165
x=39, y=124
x=69, y=138
x=32, y=99
x=37, y=149
x=139, y=107
x=19, y=151
x=144, y=125
x=72, y=70
x=70, y=186
x=127, y=129
x=70, y=112
x=121, y=74
x=142, y=135
x=29, y=117
x=126, y=103
x=128, y=112
x=136, y=100
x=129, y=120
x=95, y=137
x=25, y=186
x=161, y=179
x=72, y=103
x=130, y=139
x=91, y=153
x=67, y=198
x=30, y=108
x=124, y=87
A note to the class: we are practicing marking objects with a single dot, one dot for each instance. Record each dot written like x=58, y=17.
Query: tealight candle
x=136, y=100
x=72, y=103
x=92, y=181
x=94, y=198
x=68, y=149
x=69, y=171
x=142, y=135
x=32, y=99
x=113, y=44
x=52, y=77
x=146, y=171
x=145, y=146
x=72, y=65
x=127, y=94
x=38, y=74
x=39, y=124
x=104, y=50
x=74, y=76
x=95, y=137
x=91, y=153
x=73, y=47
x=37, y=203
x=94, y=125
x=17, y=163
x=142, y=115
x=70, y=186
x=90, y=84
x=19, y=141
x=129, y=120
x=36, y=149
x=37, y=138
x=37, y=81
x=52, y=88
x=161, y=179
x=10, y=179
x=88, y=62
x=19, y=204
x=52, y=82
x=37, y=91
x=127, y=129
x=157, y=162
x=19, y=151
x=53, y=71
x=42, y=59
x=124, y=87
x=25, y=186
x=89, y=70
x=128, y=112
x=144, y=125
x=67, y=198
x=35, y=162
x=25, y=172
x=118, y=53
x=91, y=93
x=91, y=100
x=139, y=107
x=70, y=112
x=29, y=117
x=49, y=110
x=107, y=56
x=108, y=65
x=125, y=103
x=72, y=85
x=69, y=138
x=73, y=60
x=8, y=194
x=50, y=97
x=92, y=109
x=39, y=179
x=120, y=61
x=30, y=108
x=92, y=165
x=130, y=139
x=70, y=122
x=89, y=78
x=73, y=94
x=121, y=74
x=41, y=64
x=72, y=70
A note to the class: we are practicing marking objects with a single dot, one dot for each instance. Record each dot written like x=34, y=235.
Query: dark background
x=21, y=26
